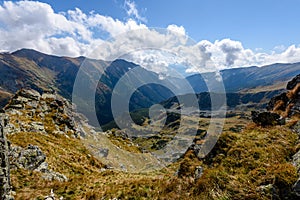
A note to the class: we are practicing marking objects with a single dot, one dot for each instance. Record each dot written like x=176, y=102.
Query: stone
x=103, y=152
x=11, y=129
x=32, y=104
x=51, y=176
x=296, y=161
x=296, y=128
x=29, y=93
x=296, y=187
x=119, y=133
x=43, y=167
x=5, y=188
x=269, y=189
x=48, y=96
x=274, y=105
x=292, y=84
x=15, y=106
x=30, y=158
x=37, y=127
x=198, y=172
x=267, y=118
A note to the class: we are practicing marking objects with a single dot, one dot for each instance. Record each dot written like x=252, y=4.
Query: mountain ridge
x=42, y=72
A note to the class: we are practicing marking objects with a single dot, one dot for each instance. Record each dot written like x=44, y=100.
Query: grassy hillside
x=242, y=165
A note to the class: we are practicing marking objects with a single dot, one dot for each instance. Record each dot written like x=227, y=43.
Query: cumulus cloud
x=30, y=24
x=177, y=29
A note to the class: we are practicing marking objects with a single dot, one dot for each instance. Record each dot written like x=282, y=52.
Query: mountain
x=31, y=69
x=47, y=148
x=27, y=68
x=238, y=79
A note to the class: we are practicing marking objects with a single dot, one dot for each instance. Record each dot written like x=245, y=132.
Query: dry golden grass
x=240, y=163
x=258, y=156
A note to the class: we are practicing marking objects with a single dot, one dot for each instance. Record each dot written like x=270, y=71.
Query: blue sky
x=257, y=23
x=233, y=33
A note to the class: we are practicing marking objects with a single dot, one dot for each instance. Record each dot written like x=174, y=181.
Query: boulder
x=32, y=158
x=29, y=158
x=266, y=118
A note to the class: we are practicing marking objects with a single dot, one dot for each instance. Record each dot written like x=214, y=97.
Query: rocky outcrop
x=30, y=111
x=267, y=118
x=46, y=113
x=5, y=187
x=281, y=106
x=287, y=104
x=32, y=158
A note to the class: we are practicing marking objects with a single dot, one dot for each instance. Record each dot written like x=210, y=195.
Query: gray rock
x=296, y=187
x=269, y=189
x=292, y=84
x=37, y=127
x=29, y=93
x=11, y=129
x=42, y=168
x=296, y=161
x=198, y=172
x=15, y=106
x=267, y=118
x=51, y=176
x=5, y=188
x=33, y=104
x=48, y=96
x=296, y=128
x=30, y=158
x=103, y=152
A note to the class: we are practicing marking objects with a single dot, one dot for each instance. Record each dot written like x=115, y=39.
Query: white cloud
x=29, y=24
x=177, y=29
x=132, y=11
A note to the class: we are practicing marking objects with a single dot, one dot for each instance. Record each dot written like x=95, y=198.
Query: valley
x=178, y=145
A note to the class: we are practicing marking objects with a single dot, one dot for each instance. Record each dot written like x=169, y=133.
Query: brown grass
x=237, y=166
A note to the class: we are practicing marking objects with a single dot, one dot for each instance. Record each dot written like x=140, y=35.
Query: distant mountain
x=239, y=79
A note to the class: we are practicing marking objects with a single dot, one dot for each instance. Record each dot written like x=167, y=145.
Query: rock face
x=5, y=187
x=287, y=104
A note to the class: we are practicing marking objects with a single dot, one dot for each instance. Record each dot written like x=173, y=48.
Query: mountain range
x=27, y=68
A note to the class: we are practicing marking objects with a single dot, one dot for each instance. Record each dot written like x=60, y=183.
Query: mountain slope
x=250, y=77
x=32, y=69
